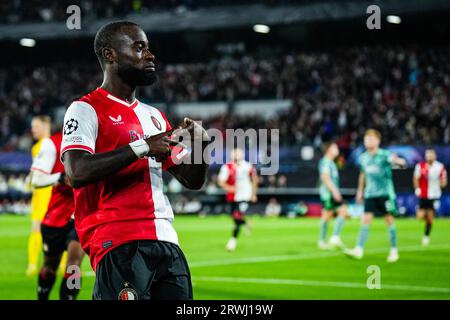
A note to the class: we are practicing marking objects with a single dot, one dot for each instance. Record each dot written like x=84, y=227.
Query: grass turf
x=279, y=260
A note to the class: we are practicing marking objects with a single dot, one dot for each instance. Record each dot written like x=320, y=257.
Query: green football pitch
x=278, y=260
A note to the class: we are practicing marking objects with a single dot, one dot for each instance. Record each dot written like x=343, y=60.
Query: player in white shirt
x=430, y=177
x=240, y=180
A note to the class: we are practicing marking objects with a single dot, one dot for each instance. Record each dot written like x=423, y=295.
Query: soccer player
x=40, y=129
x=240, y=180
x=331, y=197
x=57, y=227
x=430, y=177
x=114, y=150
x=376, y=190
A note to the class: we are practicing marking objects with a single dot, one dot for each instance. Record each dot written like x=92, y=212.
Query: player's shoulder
x=91, y=103
x=248, y=164
x=384, y=152
x=363, y=156
x=47, y=144
x=92, y=97
x=155, y=112
x=150, y=107
x=82, y=105
x=81, y=110
x=439, y=164
x=322, y=162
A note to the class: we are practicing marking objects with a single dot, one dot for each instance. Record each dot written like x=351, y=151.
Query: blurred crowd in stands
x=402, y=91
x=14, y=194
x=48, y=11
x=15, y=185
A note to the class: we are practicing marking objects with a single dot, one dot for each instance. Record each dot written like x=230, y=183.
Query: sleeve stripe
x=40, y=170
x=77, y=146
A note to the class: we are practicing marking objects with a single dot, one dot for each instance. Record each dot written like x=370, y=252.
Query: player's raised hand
x=191, y=130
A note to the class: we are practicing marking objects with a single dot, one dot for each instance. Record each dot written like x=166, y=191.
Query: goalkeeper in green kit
x=376, y=190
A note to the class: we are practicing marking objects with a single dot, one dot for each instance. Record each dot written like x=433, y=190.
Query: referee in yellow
x=40, y=129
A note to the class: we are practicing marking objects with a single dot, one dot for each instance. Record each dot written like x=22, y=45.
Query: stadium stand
x=402, y=91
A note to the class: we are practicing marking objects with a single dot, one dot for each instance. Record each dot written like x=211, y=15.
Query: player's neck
x=118, y=88
x=373, y=151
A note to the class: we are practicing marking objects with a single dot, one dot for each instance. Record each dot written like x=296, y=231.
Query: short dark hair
x=104, y=37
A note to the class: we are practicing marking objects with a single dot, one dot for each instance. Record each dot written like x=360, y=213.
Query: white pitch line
x=304, y=256
x=309, y=283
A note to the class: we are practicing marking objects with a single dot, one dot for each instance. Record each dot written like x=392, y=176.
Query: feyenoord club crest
x=127, y=293
x=156, y=123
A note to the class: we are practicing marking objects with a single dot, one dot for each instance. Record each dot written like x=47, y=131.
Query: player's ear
x=108, y=54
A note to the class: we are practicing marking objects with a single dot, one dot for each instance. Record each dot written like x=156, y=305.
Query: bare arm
x=361, y=184
x=83, y=168
x=415, y=182
x=326, y=179
x=396, y=160
x=42, y=180
x=255, y=182
x=444, y=180
x=225, y=186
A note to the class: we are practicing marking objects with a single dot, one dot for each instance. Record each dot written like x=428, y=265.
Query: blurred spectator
x=297, y=209
x=3, y=185
x=273, y=208
x=175, y=186
x=21, y=206
x=192, y=206
x=211, y=186
x=271, y=182
x=282, y=181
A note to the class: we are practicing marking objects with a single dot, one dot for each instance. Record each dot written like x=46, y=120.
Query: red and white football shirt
x=430, y=179
x=129, y=205
x=61, y=205
x=238, y=175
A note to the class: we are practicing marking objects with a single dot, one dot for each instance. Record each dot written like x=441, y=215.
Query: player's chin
x=150, y=77
x=147, y=78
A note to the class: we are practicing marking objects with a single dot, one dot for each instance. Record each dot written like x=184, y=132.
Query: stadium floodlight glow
x=394, y=19
x=261, y=28
x=27, y=42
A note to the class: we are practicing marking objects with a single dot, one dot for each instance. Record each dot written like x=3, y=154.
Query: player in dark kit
x=57, y=227
x=114, y=151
